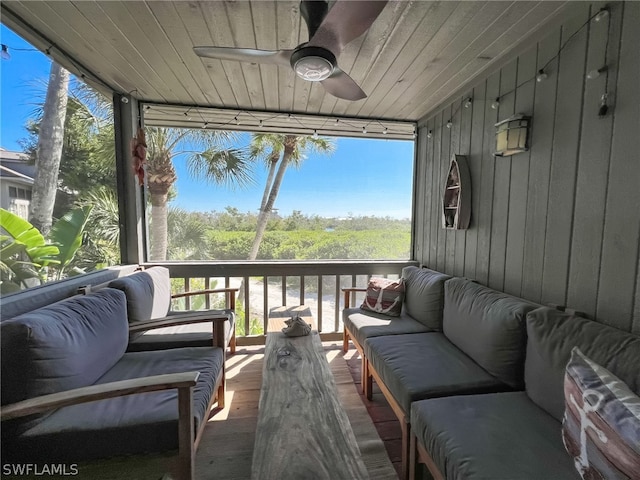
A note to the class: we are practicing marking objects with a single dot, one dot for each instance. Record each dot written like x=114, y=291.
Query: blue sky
x=362, y=177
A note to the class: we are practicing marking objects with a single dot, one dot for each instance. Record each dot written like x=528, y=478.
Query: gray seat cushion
x=146, y=422
x=424, y=296
x=552, y=335
x=489, y=326
x=66, y=345
x=501, y=436
x=426, y=365
x=191, y=335
x=363, y=324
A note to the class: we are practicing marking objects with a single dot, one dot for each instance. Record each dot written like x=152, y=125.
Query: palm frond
x=231, y=167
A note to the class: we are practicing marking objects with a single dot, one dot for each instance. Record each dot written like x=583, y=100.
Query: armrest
x=99, y=392
x=347, y=295
x=230, y=293
x=217, y=324
x=178, y=319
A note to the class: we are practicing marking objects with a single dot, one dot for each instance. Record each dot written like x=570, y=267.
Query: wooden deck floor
x=383, y=418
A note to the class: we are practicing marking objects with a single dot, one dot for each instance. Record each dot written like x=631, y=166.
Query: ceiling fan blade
x=341, y=85
x=346, y=21
x=275, y=57
x=313, y=12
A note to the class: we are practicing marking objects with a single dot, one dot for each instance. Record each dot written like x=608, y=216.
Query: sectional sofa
x=479, y=392
x=71, y=391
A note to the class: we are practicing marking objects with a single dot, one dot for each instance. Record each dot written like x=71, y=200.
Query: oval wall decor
x=456, y=200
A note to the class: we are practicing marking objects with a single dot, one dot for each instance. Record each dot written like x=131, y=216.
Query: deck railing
x=264, y=285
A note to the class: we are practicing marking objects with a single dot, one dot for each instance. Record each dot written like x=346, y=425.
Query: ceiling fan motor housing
x=313, y=63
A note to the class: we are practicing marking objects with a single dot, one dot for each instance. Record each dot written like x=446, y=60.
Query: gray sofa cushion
x=148, y=293
x=426, y=365
x=363, y=324
x=489, y=326
x=66, y=345
x=501, y=436
x=552, y=335
x=139, y=423
x=191, y=335
x=424, y=295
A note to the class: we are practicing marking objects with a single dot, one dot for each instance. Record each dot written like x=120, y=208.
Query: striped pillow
x=601, y=425
x=384, y=296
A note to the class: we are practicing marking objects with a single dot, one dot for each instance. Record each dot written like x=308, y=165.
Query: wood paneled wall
x=560, y=223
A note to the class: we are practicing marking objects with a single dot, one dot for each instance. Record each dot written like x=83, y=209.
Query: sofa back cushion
x=424, y=295
x=489, y=326
x=66, y=345
x=148, y=293
x=551, y=337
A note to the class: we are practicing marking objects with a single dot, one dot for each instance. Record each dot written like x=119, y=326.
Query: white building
x=16, y=182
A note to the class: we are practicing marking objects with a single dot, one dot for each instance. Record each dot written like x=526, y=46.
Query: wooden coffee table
x=303, y=431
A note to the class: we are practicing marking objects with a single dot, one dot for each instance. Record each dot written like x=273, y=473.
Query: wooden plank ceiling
x=415, y=56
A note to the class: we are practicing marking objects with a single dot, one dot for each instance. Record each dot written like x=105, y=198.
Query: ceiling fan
x=316, y=60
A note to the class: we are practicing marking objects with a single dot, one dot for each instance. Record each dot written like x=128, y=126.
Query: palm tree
x=206, y=159
x=293, y=149
x=49, y=151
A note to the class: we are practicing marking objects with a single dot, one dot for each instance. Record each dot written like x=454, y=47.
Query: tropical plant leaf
x=20, y=229
x=67, y=233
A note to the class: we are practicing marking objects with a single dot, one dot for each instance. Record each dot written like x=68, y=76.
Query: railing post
x=320, y=303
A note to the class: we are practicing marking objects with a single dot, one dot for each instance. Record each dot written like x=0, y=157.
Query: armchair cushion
x=148, y=293
x=364, y=324
x=491, y=436
x=551, y=337
x=426, y=365
x=424, y=295
x=139, y=423
x=66, y=345
x=489, y=326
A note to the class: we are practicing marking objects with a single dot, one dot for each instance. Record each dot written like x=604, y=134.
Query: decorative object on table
x=601, y=424
x=384, y=296
x=512, y=135
x=296, y=327
x=456, y=200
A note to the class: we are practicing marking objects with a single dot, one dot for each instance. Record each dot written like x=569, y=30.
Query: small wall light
x=596, y=73
x=449, y=124
x=496, y=103
x=430, y=134
x=468, y=102
x=601, y=15
x=512, y=135
x=541, y=76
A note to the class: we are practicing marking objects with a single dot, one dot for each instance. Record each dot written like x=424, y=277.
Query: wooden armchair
x=149, y=298
x=79, y=347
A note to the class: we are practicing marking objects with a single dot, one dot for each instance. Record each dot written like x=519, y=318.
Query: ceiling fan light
x=313, y=69
x=313, y=64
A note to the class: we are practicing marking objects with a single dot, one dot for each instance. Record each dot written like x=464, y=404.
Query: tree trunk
x=273, y=161
x=159, y=239
x=265, y=213
x=50, y=141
